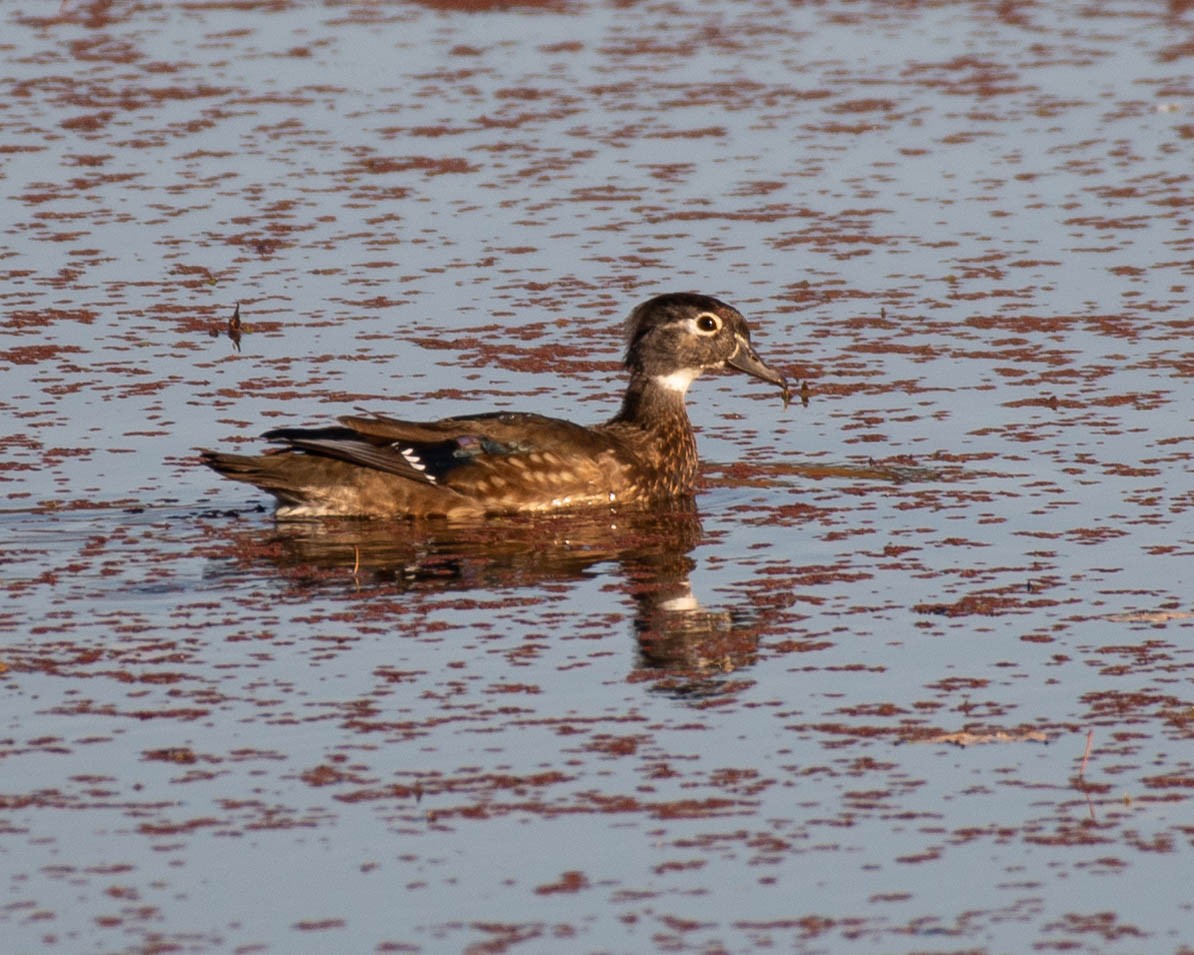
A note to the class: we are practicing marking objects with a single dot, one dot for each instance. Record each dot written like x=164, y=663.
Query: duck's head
x=671, y=339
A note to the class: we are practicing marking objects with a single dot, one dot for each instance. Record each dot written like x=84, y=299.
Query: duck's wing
x=511, y=459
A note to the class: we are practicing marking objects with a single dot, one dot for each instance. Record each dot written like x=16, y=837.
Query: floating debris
x=969, y=738
x=232, y=329
x=1150, y=616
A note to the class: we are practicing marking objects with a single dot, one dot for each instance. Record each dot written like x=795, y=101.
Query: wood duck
x=377, y=466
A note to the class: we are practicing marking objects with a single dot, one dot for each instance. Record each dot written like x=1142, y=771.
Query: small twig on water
x=1086, y=755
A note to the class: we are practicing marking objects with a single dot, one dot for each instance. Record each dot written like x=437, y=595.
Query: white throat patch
x=678, y=380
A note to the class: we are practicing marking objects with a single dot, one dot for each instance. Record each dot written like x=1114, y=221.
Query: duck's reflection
x=650, y=553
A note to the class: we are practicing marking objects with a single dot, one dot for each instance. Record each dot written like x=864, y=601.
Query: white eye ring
x=707, y=323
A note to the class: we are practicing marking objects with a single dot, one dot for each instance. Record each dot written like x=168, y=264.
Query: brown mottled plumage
x=378, y=466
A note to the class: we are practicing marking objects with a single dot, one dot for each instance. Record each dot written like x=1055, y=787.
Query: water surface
x=839, y=703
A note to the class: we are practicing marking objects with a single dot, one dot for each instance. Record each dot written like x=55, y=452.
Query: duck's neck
x=654, y=403
x=653, y=419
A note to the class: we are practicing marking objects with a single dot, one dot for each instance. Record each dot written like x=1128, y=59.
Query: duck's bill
x=745, y=359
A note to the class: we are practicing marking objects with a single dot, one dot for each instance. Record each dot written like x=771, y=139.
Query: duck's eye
x=707, y=323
